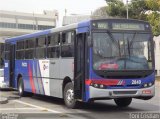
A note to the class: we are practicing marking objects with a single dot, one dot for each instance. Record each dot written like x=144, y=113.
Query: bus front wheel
x=123, y=102
x=69, y=99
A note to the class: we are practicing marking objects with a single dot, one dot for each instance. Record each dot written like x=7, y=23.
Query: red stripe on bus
x=31, y=79
x=88, y=82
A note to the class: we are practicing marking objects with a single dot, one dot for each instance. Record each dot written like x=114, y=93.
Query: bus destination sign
x=128, y=26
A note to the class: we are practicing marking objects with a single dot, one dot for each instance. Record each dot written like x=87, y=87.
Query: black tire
x=21, y=88
x=123, y=102
x=21, y=91
x=91, y=101
x=68, y=95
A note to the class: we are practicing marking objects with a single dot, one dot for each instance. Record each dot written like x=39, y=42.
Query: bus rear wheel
x=21, y=87
x=21, y=91
x=123, y=102
x=69, y=99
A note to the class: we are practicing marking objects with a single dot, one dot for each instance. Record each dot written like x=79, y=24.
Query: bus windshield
x=122, y=51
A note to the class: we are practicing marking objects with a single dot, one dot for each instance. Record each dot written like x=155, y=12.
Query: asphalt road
x=42, y=107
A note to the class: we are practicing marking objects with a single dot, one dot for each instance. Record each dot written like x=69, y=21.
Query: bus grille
x=124, y=92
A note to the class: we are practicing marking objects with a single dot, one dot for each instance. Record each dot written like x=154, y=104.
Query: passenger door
x=12, y=65
x=79, y=66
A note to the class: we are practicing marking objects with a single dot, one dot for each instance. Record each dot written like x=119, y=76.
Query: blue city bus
x=92, y=60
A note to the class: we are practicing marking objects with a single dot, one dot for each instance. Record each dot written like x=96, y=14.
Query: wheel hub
x=70, y=96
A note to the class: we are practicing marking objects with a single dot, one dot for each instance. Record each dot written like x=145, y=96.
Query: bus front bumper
x=96, y=93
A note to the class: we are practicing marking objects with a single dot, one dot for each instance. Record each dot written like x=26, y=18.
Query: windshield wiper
x=133, y=39
x=117, y=43
x=129, y=53
x=130, y=44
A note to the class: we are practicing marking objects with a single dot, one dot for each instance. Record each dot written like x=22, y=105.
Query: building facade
x=157, y=55
x=74, y=19
x=18, y=23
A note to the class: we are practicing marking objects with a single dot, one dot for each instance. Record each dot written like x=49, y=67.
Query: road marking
x=5, y=109
x=35, y=106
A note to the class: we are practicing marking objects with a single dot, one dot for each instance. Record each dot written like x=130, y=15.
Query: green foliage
x=153, y=5
x=154, y=20
x=116, y=8
x=101, y=12
x=137, y=10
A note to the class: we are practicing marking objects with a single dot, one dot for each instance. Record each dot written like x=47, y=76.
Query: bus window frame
x=49, y=46
x=20, y=50
x=70, y=45
x=39, y=47
x=7, y=51
x=30, y=48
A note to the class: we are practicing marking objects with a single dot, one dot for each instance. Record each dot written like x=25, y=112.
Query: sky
x=37, y=6
x=82, y=7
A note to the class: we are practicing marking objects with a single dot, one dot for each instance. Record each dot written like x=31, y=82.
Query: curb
x=3, y=100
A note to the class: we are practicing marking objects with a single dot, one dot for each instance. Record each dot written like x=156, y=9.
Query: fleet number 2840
x=134, y=82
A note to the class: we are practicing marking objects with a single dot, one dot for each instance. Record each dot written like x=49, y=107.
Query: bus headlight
x=97, y=85
x=101, y=86
x=150, y=84
x=145, y=85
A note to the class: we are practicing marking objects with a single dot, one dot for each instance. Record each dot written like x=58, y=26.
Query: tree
x=116, y=8
x=100, y=12
x=137, y=9
x=153, y=5
x=154, y=20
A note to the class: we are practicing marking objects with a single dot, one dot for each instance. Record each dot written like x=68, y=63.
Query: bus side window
x=54, y=39
x=20, y=45
x=53, y=49
x=1, y=55
x=41, y=41
x=63, y=38
x=48, y=40
x=20, y=50
x=67, y=49
x=30, y=43
x=29, y=48
x=7, y=52
x=41, y=47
